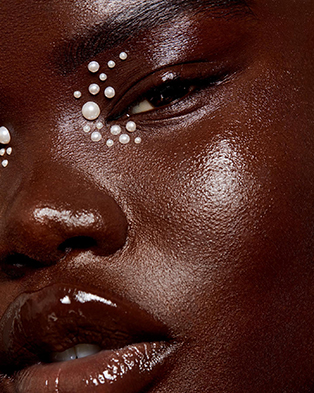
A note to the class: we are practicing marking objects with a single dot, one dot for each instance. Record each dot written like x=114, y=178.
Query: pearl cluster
x=5, y=138
x=91, y=110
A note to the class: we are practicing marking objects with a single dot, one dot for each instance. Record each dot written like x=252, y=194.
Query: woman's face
x=199, y=240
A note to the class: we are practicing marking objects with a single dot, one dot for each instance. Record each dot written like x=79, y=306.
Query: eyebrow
x=140, y=16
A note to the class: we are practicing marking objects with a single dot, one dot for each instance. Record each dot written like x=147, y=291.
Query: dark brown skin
x=208, y=224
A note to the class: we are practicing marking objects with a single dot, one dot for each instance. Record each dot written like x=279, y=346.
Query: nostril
x=77, y=243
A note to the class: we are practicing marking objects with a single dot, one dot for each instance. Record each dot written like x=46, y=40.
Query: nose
x=51, y=216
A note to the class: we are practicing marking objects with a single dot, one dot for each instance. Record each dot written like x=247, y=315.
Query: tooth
x=69, y=354
x=84, y=350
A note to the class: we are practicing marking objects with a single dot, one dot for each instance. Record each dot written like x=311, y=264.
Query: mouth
x=62, y=339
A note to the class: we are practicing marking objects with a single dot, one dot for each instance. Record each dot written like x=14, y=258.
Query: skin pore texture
x=198, y=241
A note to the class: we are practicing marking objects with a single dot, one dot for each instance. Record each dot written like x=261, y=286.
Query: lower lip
x=130, y=369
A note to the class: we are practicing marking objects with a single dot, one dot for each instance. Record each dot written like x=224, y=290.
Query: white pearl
x=130, y=126
x=109, y=142
x=9, y=151
x=123, y=56
x=96, y=136
x=77, y=94
x=86, y=128
x=2, y=152
x=99, y=125
x=103, y=77
x=94, y=89
x=124, y=139
x=111, y=64
x=5, y=163
x=115, y=130
x=137, y=140
x=93, y=66
x=90, y=110
x=110, y=92
x=5, y=136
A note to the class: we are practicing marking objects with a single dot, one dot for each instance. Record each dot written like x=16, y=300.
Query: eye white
x=143, y=106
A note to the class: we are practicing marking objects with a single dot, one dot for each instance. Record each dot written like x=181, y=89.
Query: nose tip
x=46, y=227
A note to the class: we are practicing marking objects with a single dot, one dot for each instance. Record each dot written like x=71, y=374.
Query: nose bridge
x=53, y=214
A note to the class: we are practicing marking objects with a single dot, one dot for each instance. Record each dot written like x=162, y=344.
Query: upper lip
x=58, y=317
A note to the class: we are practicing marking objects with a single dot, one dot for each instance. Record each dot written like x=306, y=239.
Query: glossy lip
x=135, y=346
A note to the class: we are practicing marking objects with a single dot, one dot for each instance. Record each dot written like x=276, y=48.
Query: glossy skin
x=208, y=224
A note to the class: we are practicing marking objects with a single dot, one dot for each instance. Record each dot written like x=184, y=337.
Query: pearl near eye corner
x=9, y=151
x=90, y=110
x=5, y=163
x=130, y=126
x=94, y=89
x=5, y=136
x=110, y=92
x=93, y=66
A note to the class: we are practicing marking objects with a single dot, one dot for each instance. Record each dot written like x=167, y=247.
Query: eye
x=170, y=92
x=163, y=95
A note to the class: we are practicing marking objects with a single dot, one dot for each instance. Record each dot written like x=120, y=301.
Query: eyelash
x=183, y=83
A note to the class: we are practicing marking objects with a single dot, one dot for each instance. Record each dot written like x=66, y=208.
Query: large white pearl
x=110, y=92
x=5, y=163
x=5, y=136
x=93, y=66
x=90, y=110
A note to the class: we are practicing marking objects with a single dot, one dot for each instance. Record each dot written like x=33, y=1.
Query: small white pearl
x=115, y=130
x=86, y=128
x=137, y=140
x=9, y=151
x=124, y=139
x=90, y=110
x=110, y=92
x=103, y=77
x=109, y=142
x=93, y=66
x=123, y=56
x=96, y=136
x=99, y=125
x=5, y=163
x=130, y=126
x=111, y=64
x=77, y=94
x=2, y=152
x=5, y=136
x=94, y=89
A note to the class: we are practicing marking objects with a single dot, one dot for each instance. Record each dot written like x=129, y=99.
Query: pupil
x=164, y=95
